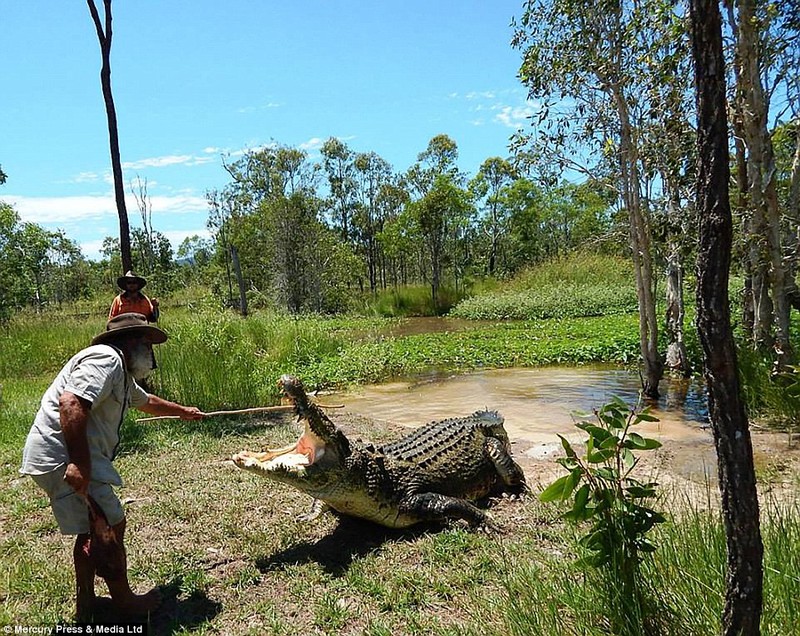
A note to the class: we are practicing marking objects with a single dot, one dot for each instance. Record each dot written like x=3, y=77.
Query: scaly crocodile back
x=435, y=440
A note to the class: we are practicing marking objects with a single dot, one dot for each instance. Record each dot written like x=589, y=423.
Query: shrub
x=604, y=492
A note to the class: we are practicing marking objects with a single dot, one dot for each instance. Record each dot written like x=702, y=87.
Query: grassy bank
x=219, y=361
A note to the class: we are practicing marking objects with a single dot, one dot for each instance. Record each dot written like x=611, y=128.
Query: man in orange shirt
x=132, y=300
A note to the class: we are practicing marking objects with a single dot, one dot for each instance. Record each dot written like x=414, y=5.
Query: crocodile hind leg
x=508, y=470
x=431, y=506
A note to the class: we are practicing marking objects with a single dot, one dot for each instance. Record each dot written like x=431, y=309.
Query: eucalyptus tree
x=744, y=581
x=439, y=206
x=338, y=164
x=144, y=241
x=438, y=159
x=271, y=213
x=575, y=216
x=787, y=154
x=587, y=65
x=104, y=36
x=9, y=262
x=398, y=238
x=68, y=275
x=193, y=258
x=489, y=187
x=765, y=38
x=375, y=184
x=441, y=217
x=668, y=153
x=525, y=239
x=37, y=266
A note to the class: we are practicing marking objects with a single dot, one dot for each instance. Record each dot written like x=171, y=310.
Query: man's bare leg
x=122, y=596
x=84, y=579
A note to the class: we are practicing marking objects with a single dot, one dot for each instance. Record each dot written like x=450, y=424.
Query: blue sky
x=194, y=80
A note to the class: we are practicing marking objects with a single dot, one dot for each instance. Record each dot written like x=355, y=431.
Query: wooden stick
x=258, y=409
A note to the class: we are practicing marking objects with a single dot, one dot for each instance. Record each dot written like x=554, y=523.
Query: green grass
x=549, y=302
x=578, y=286
x=524, y=344
x=411, y=300
x=242, y=566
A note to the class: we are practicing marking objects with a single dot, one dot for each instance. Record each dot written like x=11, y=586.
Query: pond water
x=537, y=403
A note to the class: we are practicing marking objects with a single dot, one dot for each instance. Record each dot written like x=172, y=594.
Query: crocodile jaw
x=258, y=462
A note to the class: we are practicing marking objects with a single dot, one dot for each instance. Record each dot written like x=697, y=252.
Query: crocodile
x=435, y=473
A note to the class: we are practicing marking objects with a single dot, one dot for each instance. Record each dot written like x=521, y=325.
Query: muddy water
x=538, y=403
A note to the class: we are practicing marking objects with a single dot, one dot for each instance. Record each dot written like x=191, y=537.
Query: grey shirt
x=98, y=375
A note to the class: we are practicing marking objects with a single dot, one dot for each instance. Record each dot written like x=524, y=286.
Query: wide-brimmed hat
x=130, y=324
x=130, y=277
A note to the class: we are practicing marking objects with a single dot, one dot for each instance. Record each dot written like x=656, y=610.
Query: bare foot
x=139, y=604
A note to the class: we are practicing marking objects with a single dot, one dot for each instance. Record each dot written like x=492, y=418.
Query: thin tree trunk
x=676, y=358
x=240, y=281
x=767, y=244
x=748, y=303
x=640, y=249
x=793, y=214
x=744, y=583
x=113, y=134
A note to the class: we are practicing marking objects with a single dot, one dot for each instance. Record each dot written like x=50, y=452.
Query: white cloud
x=315, y=143
x=89, y=219
x=253, y=109
x=58, y=211
x=473, y=95
x=87, y=177
x=158, y=162
x=176, y=237
x=514, y=116
x=55, y=210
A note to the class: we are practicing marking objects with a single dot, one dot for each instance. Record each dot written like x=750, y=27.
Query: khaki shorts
x=70, y=510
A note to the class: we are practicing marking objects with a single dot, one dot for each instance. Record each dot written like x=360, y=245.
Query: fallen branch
x=258, y=409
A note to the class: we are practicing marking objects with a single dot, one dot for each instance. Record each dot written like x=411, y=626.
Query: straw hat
x=130, y=277
x=130, y=324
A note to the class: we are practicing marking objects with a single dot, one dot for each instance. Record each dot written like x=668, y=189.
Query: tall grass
x=688, y=569
x=576, y=286
x=219, y=360
x=772, y=397
x=32, y=345
x=412, y=300
x=685, y=578
x=585, y=267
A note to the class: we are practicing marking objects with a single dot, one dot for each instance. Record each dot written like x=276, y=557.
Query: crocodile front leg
x=431, y=506
x=507, y=469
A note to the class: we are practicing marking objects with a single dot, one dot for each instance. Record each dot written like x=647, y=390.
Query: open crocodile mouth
x=308, y=449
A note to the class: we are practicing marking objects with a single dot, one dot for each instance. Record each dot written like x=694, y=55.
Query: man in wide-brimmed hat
x=132, y=300
x=72, y=444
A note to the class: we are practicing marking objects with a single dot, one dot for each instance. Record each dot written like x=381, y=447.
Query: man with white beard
x=72, y=444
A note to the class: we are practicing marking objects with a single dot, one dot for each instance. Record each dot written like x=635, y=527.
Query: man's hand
x=78, y=478
x=74, y=415
x=159, y=406
x=192, y=413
